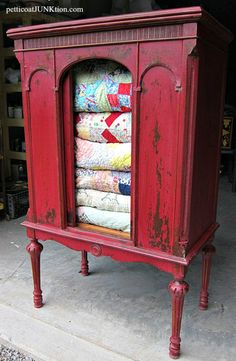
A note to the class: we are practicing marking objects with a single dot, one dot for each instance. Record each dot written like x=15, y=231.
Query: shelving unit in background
x=2, y=178
x=13, y=131
x=13, y=148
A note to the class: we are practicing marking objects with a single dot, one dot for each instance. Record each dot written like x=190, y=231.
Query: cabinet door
x=42, y=129
x=157, y=148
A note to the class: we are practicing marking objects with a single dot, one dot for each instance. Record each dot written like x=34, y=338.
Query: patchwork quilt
x=103, y=200
x=106, y=181
x=102, y=156
x=102, y=86
x=114, y=220
x=104, y=127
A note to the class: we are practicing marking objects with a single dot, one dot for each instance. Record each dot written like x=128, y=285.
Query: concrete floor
x=122, y=311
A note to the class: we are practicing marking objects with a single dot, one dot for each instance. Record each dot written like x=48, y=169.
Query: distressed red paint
x=177, y=59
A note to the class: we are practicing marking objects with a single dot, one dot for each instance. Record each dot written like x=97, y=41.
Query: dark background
x=225, y=12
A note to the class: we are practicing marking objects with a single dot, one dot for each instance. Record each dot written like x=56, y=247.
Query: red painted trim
x=69, y=174
x=189, y=136
x=121, y=21
x=21, y=50
x=205, y=238
x=71, y=233
x=134, y=144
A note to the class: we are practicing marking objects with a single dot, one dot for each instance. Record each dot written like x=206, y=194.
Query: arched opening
x=102, y=116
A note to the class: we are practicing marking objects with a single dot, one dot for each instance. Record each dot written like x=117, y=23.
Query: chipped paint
x=157, y=221
x=156, y=137
x=183, y=243
x=176, y=249
x=50, y=215
x=159, y=232
x=158, y=174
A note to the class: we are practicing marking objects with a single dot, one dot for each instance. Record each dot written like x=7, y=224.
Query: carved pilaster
x=178, y=289
x=35, y=248
x=183, y=243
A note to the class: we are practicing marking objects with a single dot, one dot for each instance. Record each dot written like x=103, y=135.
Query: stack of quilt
x=102, y=105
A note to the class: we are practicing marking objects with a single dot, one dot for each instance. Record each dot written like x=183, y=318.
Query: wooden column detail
x=178, y=289
x=35, y=248
x=207, y=253
x=84, y=264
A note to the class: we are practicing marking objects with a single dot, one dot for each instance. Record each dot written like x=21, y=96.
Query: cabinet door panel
x=43, y=147
x=157, y=158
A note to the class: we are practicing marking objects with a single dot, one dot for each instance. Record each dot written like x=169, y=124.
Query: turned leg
x=178, y=289
x=35, y=248
x=206, y=269
x=84, y=264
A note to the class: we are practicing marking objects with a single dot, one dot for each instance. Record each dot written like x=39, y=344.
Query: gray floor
x=120, y=312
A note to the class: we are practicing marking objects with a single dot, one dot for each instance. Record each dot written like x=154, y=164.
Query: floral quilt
x=103, y=180
x=102, y=86
x=103, y=156
x=103, y=200
x=104, y=127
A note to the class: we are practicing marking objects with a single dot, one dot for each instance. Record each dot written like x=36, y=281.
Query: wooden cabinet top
x=128, y=21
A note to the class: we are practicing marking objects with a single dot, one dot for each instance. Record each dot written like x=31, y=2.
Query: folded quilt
x=107, y=156
x=114, y=220
x=104, y=127
x=102, y=86
x=106, y=181
x=103, y=200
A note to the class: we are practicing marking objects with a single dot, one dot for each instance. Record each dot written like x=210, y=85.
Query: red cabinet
x=177, y=60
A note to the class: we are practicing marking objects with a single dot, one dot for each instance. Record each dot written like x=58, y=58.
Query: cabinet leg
x=207, y=253
x=84, y=264
x=178, y=289
x=35, y=248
